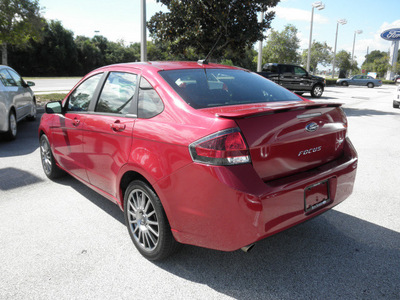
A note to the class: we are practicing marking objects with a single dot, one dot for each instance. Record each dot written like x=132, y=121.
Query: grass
x=44, y=98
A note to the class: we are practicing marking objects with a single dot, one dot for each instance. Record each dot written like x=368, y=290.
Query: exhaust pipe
x=247, y=248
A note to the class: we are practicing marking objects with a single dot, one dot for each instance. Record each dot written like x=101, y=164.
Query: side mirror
x=30, y=83
x=54, y=107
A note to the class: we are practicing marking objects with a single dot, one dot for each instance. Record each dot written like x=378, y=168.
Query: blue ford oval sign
x=391, y=34
x=311, y=127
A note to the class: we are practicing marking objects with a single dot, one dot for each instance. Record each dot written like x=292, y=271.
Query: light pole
x=260, y=46
x=320, y=6
x=342, y=22
x=354, y=42
x=143, y=44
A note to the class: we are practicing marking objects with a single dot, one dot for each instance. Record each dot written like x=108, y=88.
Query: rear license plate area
x=316, y=196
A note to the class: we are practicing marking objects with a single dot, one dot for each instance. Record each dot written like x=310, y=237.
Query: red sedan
x=200, y=154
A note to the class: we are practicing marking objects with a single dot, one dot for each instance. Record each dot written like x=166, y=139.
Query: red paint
x=218, y=207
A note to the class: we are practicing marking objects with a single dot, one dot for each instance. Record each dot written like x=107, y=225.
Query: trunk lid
x=287, y=138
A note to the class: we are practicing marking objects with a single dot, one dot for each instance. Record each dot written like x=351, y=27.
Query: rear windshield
x=202, y=88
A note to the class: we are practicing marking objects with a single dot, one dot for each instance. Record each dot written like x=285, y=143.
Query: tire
x=49, y=165
x=345, y=83
x=395, y=104
x=370, y=85
x=317, y=91
x=11, y=133
x=147, y=222
x=33, y=115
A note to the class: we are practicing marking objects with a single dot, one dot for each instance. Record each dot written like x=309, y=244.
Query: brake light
x=223, y=148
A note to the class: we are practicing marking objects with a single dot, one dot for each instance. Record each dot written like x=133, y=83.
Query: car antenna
x=205, y=61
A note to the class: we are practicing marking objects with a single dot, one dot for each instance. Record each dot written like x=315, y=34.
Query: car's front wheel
x=50, y=168
x=32, y=116
x=317, y=91
x=147, y=222
x=345, y=83
x=11, y=133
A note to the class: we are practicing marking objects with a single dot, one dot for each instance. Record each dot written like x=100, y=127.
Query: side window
x=118, y=93
x=299, y=71
x=80, y=98
x=6, y=78
x=272, y=69
x=16, y=77
x=287, y=70
x=149, y=103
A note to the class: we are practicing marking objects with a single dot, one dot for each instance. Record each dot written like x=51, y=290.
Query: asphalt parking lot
x=61, y=240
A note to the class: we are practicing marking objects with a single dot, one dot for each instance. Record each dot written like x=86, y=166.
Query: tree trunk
x=4, y=54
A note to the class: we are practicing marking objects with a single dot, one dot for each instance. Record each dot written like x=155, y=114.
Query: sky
x=120, y=20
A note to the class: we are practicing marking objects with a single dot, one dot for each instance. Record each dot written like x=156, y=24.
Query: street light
x=320, y=6
x=354, y=42
x=342, y=22
x=143, y=43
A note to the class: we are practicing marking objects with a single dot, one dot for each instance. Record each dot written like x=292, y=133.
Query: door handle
x=117, y=126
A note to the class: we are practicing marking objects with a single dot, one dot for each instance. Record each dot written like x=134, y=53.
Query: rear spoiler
x=272, y=109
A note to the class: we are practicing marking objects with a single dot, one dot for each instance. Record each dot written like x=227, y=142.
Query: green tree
x=344, y=63
x=282, y=47
x=20, y=21
x=321, y=53
x=196, y=26
x=55, y=54
x=376, y=61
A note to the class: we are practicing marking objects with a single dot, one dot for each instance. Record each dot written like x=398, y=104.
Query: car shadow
x=335, y=256
x=27, y=140
x=12, y=178
x=103, y=203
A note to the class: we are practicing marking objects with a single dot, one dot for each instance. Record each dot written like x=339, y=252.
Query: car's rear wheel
x=370, y=85
x=49, y=165
x=317, y=91
x=345, y=83
x=147, y=222
x=395, y=104
x=11, y=133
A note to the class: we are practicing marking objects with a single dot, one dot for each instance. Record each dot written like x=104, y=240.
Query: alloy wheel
x=143, y=220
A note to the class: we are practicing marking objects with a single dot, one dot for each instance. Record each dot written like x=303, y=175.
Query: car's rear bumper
x=227, y=208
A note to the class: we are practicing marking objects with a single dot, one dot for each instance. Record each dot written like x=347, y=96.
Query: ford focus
x=200, y=154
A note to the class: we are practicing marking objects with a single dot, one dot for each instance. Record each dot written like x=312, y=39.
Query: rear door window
x=150, y=103
x=118, y=93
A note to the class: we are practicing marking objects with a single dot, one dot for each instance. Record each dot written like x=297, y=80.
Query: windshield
x=202, y=88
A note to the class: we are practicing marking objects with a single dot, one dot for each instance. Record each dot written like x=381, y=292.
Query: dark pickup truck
x=294, y=78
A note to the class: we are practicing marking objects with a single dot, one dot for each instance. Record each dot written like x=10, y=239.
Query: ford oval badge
x=311, y=127
x=391, y=34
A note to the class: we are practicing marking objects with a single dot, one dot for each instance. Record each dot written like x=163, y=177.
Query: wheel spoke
x=153, y=231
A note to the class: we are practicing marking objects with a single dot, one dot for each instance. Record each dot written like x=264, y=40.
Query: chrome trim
x=309, y=115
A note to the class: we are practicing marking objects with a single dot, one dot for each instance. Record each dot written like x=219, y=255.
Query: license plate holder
x=316, y=196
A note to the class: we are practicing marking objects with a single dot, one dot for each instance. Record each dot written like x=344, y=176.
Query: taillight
x=223, y=148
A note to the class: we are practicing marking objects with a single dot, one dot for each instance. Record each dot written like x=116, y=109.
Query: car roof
x=167, y=65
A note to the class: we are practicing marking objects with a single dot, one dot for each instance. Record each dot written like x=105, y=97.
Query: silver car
x=360, y=80
x=17, y=101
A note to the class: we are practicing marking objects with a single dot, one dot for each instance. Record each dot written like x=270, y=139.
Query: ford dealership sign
x=391, y=34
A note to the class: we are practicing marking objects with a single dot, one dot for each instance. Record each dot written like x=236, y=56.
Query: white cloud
x=295, y=14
